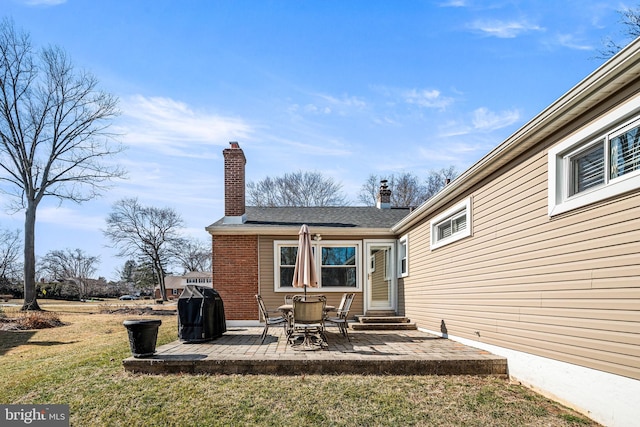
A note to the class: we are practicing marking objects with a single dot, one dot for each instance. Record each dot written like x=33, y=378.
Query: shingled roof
x=263, y=220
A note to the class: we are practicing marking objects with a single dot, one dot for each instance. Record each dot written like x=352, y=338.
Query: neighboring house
x=174, y=285
x=533, y=253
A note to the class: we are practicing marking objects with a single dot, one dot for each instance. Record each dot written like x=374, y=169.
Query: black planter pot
x=143, y=334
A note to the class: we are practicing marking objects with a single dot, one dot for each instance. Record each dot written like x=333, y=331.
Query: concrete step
x=379, y=313
x=379, y=319
x=383, y=326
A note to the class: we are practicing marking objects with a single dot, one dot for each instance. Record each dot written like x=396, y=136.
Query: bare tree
x=54, y=137
x=406, y=188
x=296, y=189
x=630, y=20
x=194, y=255
x=71, y=265
x=147, y=233
x=438, y=179
x=369, y=190
x=10, y=244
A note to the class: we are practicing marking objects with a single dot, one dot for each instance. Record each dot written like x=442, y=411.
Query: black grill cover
x=200, y=314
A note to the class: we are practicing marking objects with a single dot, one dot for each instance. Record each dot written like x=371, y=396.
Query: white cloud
x=69, y=218
x=325, y=105
x=44, y=2
x=503, y=29
x=453, y=128
x=453, y=3
x=345, y=101
x=570, y=41
x=428, y=98
x=485, y=120
x=451, y=153
x=386, y=121
x=314, y=109
x=325, y=146
x=173, y=128
x=481, y=120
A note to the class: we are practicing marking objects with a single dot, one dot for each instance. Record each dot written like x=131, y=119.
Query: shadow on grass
x=11, y=339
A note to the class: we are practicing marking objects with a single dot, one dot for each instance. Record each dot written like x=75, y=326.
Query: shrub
x=38, y=320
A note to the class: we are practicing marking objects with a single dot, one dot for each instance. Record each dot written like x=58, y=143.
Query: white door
x=381, y=277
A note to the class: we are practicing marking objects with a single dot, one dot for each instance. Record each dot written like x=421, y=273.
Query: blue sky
x=346, y=88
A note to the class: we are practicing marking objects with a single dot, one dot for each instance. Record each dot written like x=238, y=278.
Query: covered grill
x=200, y=314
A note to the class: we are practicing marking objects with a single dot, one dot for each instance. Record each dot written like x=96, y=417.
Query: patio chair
x=288, y=299
x=269, y=320
x=308, y=319
x=343, y=311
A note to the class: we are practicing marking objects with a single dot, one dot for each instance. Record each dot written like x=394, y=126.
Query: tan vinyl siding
x=379, y=293
x=564, y=288
x=274, y=299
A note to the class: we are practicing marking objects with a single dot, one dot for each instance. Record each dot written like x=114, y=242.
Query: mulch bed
x=44, y=320
x=139, y=311
x=30, y=321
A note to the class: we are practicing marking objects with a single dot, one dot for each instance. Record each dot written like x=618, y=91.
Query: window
x=403, y=256
x=338, y=268
x=452, y=225
x=287, y=255
x=624, y=149
x=337, y=264
x=600, y=161
x=199, y=280
x=587, y=168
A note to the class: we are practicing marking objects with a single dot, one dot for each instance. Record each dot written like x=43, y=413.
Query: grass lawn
x=80, y=364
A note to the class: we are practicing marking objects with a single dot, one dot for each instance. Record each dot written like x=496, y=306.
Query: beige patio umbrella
x=304, y=273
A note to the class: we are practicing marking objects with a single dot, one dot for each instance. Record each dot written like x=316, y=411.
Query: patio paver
x=239, y=351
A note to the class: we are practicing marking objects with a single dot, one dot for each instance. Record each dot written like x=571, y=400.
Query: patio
x=239, y=351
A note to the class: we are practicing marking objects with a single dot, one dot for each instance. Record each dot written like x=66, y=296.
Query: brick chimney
x=384, y=196
x=234, y=186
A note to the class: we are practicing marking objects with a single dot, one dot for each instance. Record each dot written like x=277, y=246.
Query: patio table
x=288, y=308
x=287, y=313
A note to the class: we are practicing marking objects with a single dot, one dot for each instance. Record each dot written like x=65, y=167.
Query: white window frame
x=403, y=253
x=318, y=255
x=559, y=197
x=454, y=211
x=198, y=280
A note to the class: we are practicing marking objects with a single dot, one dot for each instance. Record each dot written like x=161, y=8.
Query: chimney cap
x=234, y=144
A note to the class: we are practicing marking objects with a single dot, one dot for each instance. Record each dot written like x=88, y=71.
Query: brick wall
x=235, y=275
x=234, y=180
